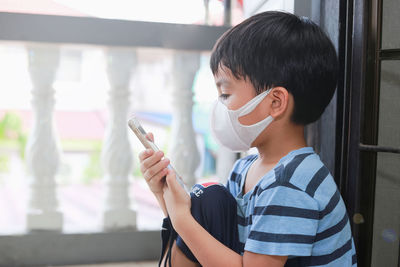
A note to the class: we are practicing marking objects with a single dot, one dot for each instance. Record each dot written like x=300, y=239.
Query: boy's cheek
x=253, y=117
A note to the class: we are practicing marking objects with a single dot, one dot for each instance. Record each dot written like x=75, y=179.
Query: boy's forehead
x=223, y=70
x=223, y=75
x=222, y=80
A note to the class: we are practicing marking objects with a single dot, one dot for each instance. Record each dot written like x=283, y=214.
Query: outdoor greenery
x=12, y=136
x=92, y=170
x=11, y=132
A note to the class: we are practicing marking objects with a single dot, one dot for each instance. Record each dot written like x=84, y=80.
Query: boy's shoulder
x=304, y=170
x=301, y=169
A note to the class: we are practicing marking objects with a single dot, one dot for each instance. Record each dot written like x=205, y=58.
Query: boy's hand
x=153, y=168
x=176, y=199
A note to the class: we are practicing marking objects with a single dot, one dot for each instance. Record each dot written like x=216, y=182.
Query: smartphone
x=140, y=133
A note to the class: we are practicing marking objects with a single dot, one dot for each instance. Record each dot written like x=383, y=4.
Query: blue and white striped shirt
x=295, y=210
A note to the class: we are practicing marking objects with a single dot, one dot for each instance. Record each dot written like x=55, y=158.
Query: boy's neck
x=280, y=143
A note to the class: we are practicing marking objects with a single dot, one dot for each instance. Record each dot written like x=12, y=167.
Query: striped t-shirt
x=295, y=210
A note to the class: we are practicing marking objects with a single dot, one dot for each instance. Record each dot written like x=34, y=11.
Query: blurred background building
x=72, y=73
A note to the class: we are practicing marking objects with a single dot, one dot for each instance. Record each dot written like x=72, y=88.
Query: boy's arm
x=154, y=168
x=161, y=203
x=208, y=250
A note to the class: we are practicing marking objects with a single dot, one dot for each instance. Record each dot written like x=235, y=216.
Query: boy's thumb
x=171, y=180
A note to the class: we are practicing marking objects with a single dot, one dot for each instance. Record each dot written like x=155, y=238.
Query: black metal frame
x=373, y=148
x=389, y=54
x=360, y=57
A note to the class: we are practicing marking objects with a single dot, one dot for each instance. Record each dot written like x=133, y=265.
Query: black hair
x=281, y=49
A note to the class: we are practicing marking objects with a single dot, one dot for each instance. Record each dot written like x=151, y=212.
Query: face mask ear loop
x=267, y=120
x=253, y=103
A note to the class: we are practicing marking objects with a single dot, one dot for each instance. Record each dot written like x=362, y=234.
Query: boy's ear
x=280, y=102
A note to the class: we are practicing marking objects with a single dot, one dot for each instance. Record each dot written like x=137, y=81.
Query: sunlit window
x=209, y=12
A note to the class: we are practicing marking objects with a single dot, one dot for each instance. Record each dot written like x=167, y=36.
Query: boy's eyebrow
x=221, y=81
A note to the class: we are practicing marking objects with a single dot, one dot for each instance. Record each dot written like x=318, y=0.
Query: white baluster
x=42, y=151
x=225, y=160
x=117, y=156
x=183, y=152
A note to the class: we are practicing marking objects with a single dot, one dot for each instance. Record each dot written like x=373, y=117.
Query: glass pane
x=389, y=108
x=385, y=246
x=391, y=24
x=209, y=12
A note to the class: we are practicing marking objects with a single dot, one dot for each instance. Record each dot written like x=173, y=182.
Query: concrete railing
x=43, y=150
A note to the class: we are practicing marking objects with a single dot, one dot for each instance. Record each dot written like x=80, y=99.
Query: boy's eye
x=224, y=96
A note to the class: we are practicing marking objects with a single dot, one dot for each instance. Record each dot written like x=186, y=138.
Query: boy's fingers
x=150, y=137
x=157, y=178
x=145, y=154
x=150, y=161
x=156, y=168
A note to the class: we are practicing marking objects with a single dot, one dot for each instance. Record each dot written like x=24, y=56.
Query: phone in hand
x=140, y=133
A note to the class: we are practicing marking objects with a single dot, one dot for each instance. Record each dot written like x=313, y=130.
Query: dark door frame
x=353, y=54
x=360, y=56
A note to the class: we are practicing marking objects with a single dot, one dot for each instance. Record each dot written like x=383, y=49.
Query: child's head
x=274, y=49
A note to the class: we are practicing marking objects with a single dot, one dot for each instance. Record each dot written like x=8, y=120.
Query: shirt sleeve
x=284, y=222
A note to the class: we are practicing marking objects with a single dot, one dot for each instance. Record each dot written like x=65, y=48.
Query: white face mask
x=227, y=129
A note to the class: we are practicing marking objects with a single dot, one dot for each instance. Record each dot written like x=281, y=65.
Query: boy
x=275, y=73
